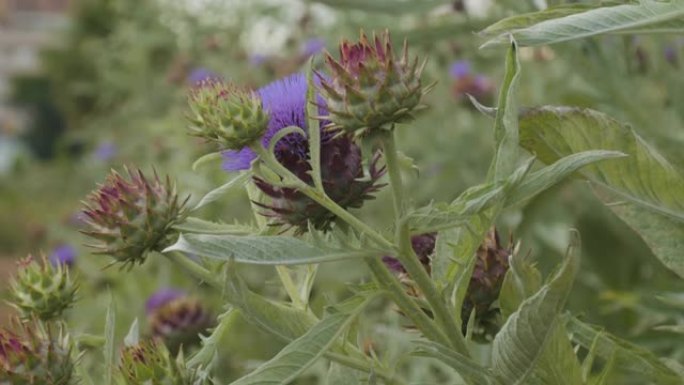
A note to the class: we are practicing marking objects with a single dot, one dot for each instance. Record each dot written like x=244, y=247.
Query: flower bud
x=130, y=217
x=369, y=89
x=227, y=115
x=35, y=356
x=42, y=290
x=490, y=269
x=176, y=318
x=150, y=363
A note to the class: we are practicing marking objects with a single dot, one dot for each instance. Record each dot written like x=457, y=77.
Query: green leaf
x=518, y=348
x=133, y=336
x=302, y=352
x=463, y=365
x=314, y=130
x=342, y=375
x=506, y=121
x=649, y=189
x=201, y=226
x=216, y=193
x=629, y=357
x=521, y=282
x=554, y=26
x=541, y=180
x=393, y=7
x=558, y=363
x=206, y=355
x=109, y=347
x=263, y=250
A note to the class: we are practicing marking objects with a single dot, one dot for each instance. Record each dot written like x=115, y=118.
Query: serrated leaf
x=648, y=16
x=464, y=366
x=302, y=352
x=506, y=121
x=651, y=190
x=207, y=353
x=519, y=346
x=263, y=250
x=218, y=192
x=629, y=357
x=201, y=226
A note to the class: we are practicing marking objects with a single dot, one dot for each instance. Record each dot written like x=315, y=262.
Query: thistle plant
x=130, y=216
x=430, y=280
x=41, y=289
x=36, y=354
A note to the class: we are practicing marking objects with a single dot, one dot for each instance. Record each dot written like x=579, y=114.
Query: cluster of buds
x=176, y=318
x=227, y=115
x=41, y=289
x=369, y=89
x=36, y=355
x=130, y=217
x=488, y=275
x=150, y=363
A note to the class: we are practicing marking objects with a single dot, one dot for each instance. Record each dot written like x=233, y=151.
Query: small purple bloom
x=285, y=101
x=201, y=74
x=105, y=151
x=460, y=69
x=257, y=59
x=63, y=255
x=671, y=54
x=312, y=47
x=161, y=297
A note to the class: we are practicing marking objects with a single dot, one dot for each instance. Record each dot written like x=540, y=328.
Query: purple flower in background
x=105, y=151
x=63, y=255
x=423, y=245
x=285, y=101
x=201, y=74
x=460, y=69
x=312, y=47
x=162, y=297
x=257, y=59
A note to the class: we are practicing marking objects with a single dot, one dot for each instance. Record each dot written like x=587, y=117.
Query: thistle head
x=227, y=115
x=342, y=171
x=42, y=290
x=369, y=89
x=483, y=291
x=131, y=216
x=423, y=246
x=36, y=355
x=149, y=362
x=176, y=318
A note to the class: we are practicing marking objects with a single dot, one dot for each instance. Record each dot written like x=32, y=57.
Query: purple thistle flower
x=285, y=102
x=63, y=255
x=105, y=151
x=460, y=69
x=423, y=245
x=162, y=297
x=200, y=75
x=312, y=47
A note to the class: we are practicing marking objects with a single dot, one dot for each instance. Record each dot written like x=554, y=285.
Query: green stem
x=408, y=258
x=384, y=277
x=392, y=163
x=207, y=276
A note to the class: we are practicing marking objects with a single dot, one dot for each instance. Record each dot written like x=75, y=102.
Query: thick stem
x=392, y=163
x=408, y=258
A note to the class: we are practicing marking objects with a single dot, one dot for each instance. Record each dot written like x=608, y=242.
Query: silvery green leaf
x=218, y=192
x=201, y=226
x=554, y=25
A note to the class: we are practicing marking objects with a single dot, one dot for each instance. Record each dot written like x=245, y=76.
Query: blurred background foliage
x=112, y=90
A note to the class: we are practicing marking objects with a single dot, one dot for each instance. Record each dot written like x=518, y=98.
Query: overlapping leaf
x=643, y=189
